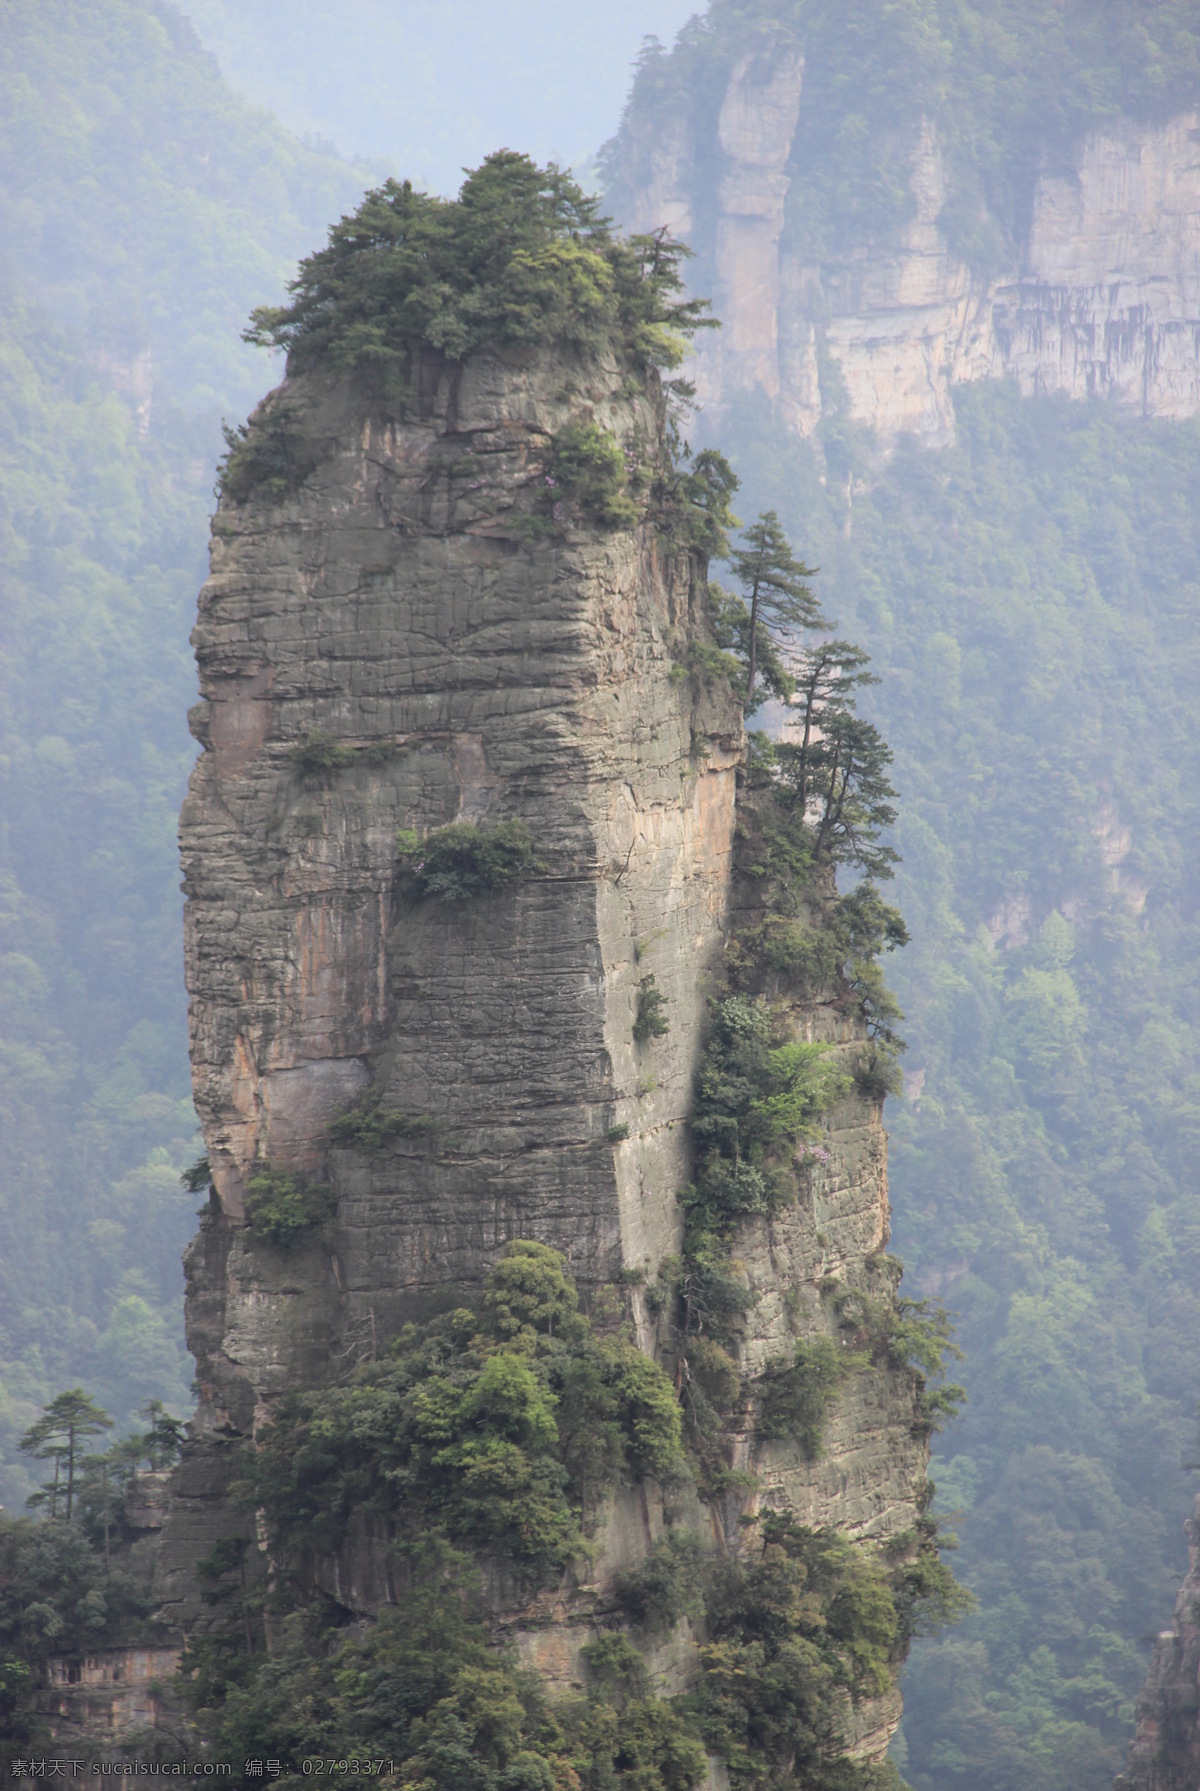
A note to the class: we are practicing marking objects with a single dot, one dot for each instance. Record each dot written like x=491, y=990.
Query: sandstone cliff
x=392, y=638
x=1104, y=296
x=391, y=607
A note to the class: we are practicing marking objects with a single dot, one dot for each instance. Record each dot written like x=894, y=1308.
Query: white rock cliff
x=1106, y=298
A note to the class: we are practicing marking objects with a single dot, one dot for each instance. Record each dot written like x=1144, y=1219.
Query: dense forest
x=1010, y=85
x=144, y=210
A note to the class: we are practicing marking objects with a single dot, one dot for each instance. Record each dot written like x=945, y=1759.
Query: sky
x=428, y=88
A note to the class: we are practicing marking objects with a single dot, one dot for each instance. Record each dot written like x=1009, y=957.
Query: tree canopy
x=777, y=596
x=59, y=1436
x=521, y=258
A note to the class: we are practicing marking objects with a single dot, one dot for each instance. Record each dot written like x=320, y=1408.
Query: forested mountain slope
x=143, y=210
x=1028, y=591
x=1031, y=597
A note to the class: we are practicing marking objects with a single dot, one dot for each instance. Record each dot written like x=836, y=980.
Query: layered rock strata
x=403, y=640
x=385, y=649
x=1104, y=299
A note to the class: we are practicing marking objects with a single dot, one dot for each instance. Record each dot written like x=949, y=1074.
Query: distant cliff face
x=1105, y=297
x=392, y=641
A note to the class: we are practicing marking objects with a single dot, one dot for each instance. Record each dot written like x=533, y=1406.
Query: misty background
x=431, y=89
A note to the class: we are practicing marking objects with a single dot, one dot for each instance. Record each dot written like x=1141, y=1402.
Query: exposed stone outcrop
x=1105, y=297
x=393, y=607
x=397, y=643
x=1165, y=1753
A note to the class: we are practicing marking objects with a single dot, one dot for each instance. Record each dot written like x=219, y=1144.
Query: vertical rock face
x=754, y=129
x=1105, y=299
x=383, y=649
x=394, y=637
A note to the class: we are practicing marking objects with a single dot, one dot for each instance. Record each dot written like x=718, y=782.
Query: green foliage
x=55, y=1598
x=756, y=1100
x=163, y=1441
x=495, y=1429
x=371, y=1126
x=667, y=1586
x=795, y=1395
x=700, y=492
x=521, y=259
x=283, y=1209
x=838, y=765
x=197, y=1177
x=588, y=471
x=268, y=456
x=650, y=1021
x=1039, y=576
x=427, y=1686
x=321, y=752
x=454, y=863
x=60, y=1435
x=800, y=1621
x=778, y=600
x=877, y=1074
x=635, y=1741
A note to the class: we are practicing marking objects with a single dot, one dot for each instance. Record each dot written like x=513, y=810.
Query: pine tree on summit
x=775, y=587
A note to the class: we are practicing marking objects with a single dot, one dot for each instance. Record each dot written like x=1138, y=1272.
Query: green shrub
x=197, y=1177
x=877, y=1073
x=801, y=1620
x=496, y=1428
x=651, y=1021
x=457, y=862
x=587, y=470
x=427, y=1687
x=268, y=456
x=282, y=1209
x=756, y=1099
x=321, y=752
x=370, y=1126
x=699, y=504
x=617, y=1134
x=56, y=1597
x=916, y=1335
x=795, y=1395
x=927, y=1596
x=668, y=1585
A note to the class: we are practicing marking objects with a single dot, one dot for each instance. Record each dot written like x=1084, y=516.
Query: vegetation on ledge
x=456, y=862
x=498, y=1429
x=521, y=259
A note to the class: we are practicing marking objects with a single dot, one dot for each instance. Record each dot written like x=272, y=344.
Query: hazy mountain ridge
x=1087, y=278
